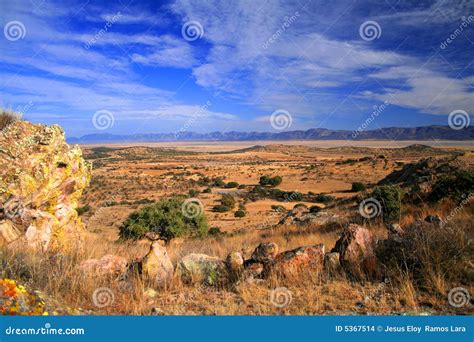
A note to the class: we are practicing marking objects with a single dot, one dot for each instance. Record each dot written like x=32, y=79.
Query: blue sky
x=136, y=62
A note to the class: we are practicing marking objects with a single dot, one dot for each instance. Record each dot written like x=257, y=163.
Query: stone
x=107, y=265
x=156, y=264
x=354, y=245
x=293, y=262
x=331, y=261
x=200, y=268
x=265, y=252
x=235, y=262
x=41, y=181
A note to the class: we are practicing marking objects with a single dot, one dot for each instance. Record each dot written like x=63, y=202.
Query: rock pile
x=41, y=181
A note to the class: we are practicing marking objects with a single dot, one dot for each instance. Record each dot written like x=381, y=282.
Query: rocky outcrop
x=200, y=268
x=108, y=265
x=41, y=181
x=301, y=259
x=354, y=246
x=156, y=265
x=301, y=215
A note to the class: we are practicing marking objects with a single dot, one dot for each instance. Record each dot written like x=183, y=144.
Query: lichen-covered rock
x=112, y=265
x=201, y=268
x=235, y=262
x=307, y=258
x=41, y=181
x=156, y=265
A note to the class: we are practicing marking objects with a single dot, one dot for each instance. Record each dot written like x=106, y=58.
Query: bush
x=193, y=193
x=300, y=205
x=218, y=182
x=323, y=198
x=357, y=187
x=207, y=191
x=8, y=117
x=165, y=218
x=240, y=213
x=279, y=208
x=314, y=209
x=232, y=185
x=228, y=201
x=271, y=181
x=213, y=231
x=390, y=198
x=83, y=209
x=457, y=185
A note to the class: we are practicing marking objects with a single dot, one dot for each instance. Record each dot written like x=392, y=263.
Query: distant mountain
x=390, y=133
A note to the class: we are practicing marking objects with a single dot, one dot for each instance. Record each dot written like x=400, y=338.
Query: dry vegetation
x=127, y=179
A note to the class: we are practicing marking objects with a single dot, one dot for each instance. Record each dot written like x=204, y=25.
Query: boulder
x=307, y=258
x=265, y=252
x=354, y=246
x=112, y=265
x=235, y=262
x=201, y=268
x=41, y=181
x=156, y=264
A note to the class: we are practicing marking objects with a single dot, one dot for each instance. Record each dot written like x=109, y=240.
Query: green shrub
x=193, y=193
x=278, y=208
x=218, y=182
x=241, y=186
x=207, y=191
x=220, y=208
x=390, y=198
x=83, y=209
x=213, y=231
x=357, y=187
x=314, y=209
x=300, y=205
x=240, y=213
x=323, y=198
x=232, y=185
x=272, y=181
x=457, y=185
x=165, y=218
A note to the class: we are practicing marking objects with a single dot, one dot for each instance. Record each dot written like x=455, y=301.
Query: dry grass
x=8, y=117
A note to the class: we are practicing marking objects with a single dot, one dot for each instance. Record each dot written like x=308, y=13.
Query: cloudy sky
x=148, y=66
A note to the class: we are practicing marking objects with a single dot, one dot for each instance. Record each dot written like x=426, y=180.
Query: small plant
x=8, y=117
x=358, y=187
x=240, y=213
x=213, y=231
x=390, y=198
x=193, y=192
x=278, y=208
x=323, y=198
x=207, y=191
x=218, y=182
x=300, y=205
x=84, y=209
x=270, y=181
x=314, y=209
x=232, y=185
x=227, y=204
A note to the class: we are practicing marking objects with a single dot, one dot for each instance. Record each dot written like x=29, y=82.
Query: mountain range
x=389, y=133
